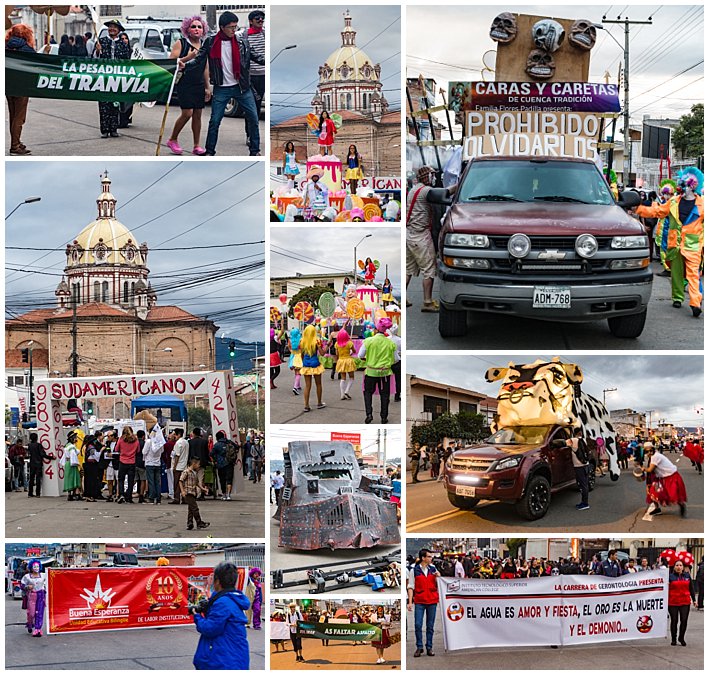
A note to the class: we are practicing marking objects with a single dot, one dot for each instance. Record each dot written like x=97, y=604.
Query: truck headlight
x=639, y=241
x=519, y=245
x=470, y=240
x=633, y=264
x=586, y=245
x=467, y=263
x=507, y=463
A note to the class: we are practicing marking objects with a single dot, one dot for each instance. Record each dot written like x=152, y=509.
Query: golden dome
x=348, y=62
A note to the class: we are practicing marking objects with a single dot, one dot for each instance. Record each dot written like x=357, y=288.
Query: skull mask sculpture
x=504, y=28
x=548, y=34
x=583, y=34
x=540, y=65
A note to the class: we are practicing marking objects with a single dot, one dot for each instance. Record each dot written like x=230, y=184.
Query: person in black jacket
x=37, y=457
x=199, y=449
x=229, y=57
x=112, y=48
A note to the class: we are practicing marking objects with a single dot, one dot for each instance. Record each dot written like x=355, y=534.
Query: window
x=15, y=380
x=153, y=40
x=125, y=292
x=97, y=291
x=436, y=406
x=349, y=101
x=76, y=293
x=104, y=291
x=467, y=407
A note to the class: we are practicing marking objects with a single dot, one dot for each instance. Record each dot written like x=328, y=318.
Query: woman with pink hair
x=346, y=365
x=19, y=38
x=193, y=87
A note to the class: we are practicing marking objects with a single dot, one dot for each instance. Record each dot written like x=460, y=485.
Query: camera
x=199, y=607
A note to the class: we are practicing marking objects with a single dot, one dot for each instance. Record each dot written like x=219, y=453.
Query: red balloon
x=283, y=297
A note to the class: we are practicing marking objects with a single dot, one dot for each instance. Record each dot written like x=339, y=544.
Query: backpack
x=582, y=452
x=232, y=452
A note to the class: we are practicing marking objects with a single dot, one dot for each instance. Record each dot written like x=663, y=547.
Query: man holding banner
x=112, y=48
x=423, y=598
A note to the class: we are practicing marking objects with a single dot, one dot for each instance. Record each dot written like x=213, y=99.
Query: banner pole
x=175, y=79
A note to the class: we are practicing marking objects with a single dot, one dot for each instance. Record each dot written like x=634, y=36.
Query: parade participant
x=72, y=477
x=292, y=617
x=396, y=366
x=355, y=172
x=111, y=48
x=223, y=644
x=579, y=459
x=166, y=463
x=127, y=448
x=383, y=620
x=681, y=597
x=315, y=194
x=665, y=485
x=278, y=482
x=80, y=47
x=685, y=245
x=152, y=453
x=37, y=456
x=34, y=587
x=422, y=592
x=66, y=48
x=193, y=87
x=219, y=454
x=611, y=566
x=180, y=457
x=414, y=457
x=379, y=352
x=290, y=164
x=295, y=360
x=668, y=188
x=113, y=465
x=327, y=133
x=387, y=291
x=199, y=448
x=346, y=365
x=256, y=36
x=90, y=43
x=227, y=56
x=92, y=466
x=357, y=215
x=16, y=455
x=190, y=489
x=255, y=576
x=369, y=270
x=19, y=38
x=312, y=347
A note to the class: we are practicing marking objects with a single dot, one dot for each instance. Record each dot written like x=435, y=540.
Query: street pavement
x=145, y=649
x=646, y=655
x=282, y=558
x=287, y=408
x=615, y=507
x=666, y=328
x=55, y=517
x=338, y=655
x=71, y=128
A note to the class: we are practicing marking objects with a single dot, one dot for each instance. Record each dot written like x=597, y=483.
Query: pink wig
x=186, y=23
x=343, y=337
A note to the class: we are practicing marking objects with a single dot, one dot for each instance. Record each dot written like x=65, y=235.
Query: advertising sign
x=346, y=436
x=524, y=145
x=560, y=610
x=101, y=598
x=357, y=632
x=495, y=122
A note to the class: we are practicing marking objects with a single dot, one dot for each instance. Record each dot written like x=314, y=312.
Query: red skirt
x=275, y=359
x=669, y=490
x=385, y=642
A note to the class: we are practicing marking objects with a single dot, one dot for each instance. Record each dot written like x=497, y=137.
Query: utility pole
x=74, y=340
x=31, y=412
x=604, y=395
x=379, y=436
x=626, y=92
x=384, y=454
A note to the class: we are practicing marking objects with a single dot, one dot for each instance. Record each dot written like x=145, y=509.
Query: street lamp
x=354, y=266
x=282, y=50
x=29, y=200
x=604, y=395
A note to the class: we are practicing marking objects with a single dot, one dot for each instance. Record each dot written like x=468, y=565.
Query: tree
x=246, y=411
x=433, y=433
x=199, y=417
x=310, y=294
x=514, y=545
x=688, y=137
x=472, y=426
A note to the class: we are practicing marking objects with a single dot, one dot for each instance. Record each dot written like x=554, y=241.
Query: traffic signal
x=89, y=407
x=306, y=603
x=26, y=355
x=232, y=349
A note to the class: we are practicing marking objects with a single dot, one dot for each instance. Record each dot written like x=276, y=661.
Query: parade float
x=526, y=459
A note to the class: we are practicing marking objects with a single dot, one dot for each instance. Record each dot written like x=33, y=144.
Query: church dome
x=348, y=63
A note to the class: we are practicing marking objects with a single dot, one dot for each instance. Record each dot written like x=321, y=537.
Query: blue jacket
x=222, y=642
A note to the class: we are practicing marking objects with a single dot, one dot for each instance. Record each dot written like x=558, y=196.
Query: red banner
x=348, y=437
x=101, y=598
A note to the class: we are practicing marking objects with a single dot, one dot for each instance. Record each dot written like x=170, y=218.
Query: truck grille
x=470, y=464
x=540, y=243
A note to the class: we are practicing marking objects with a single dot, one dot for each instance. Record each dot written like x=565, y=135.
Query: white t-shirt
x=459, y=570
x=39, y=583
x=180, y=454
x=292, y=620
x=663, y=466
x=228, y=65
x=278, y=482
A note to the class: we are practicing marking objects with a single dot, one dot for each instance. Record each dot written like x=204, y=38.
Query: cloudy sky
x=319, y=250
x=671, y=386
x=69, y=191
x=316, y=31
x=658, y=52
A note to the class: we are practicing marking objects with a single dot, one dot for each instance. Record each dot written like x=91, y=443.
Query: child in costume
x=316, y=194
x=34, y=586
x=290, y=164
x=668, y=188
x=354, y=172
x=295, y=362
x=255, y=576
x=327, y=129
x=72, y=476
x=346, y=365
x=685, y=241
x=386, y=291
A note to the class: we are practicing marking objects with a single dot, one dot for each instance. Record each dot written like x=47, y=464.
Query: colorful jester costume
x=668, y=188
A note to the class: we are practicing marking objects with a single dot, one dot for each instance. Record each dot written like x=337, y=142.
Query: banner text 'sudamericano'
x=79, y=79
x=560, y=610
x=100, y=598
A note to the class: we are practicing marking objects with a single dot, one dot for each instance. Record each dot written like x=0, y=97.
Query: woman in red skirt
x=681, y=598
x=384, y=621
x=666, y=485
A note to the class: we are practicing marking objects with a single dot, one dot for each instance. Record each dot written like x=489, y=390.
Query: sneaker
x=348, y=397
x=199, y=151
x=656, y=511
x=228, y=498
x=175, y=147
x=582, y=507
x=20, y=151
x=295, y=391
x=696, y=311
x=203, y=525
x=120, y=500
x=190, y=527
x=430, y=306
x=683, y=510
x=676, y=304
x=223, y=498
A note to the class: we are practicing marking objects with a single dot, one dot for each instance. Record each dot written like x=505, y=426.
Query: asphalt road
x=282, y=558
x=666, y=328
x=645, y=655
x=287, y=408
x=146, y=649
x=57, y=128
x=55, y=517
x=615, y=507
x=338, y=655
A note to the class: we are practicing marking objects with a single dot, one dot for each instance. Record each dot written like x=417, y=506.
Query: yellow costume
x=345, y=362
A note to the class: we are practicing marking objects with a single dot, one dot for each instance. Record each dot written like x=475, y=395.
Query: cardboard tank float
x=328, y=503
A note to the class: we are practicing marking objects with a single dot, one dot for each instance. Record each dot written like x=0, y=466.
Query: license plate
x=558, y=297
x=465, y=491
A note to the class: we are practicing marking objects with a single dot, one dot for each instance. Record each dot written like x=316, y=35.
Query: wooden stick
x=175, y=79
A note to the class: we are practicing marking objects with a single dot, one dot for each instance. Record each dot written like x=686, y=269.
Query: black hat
x=114, y=22
x=256, y=14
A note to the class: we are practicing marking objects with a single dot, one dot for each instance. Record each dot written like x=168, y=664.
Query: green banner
x=79, y=79
x=357, y=632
